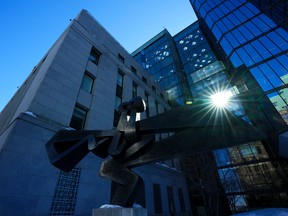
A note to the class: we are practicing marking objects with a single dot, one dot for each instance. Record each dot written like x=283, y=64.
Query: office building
x=237, y=47
x=78, y=84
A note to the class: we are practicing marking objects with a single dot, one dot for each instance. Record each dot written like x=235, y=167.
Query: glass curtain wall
x=158, y=60
x=251, y=178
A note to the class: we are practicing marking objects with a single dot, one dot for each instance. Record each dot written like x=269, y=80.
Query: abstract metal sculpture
x=197, y=128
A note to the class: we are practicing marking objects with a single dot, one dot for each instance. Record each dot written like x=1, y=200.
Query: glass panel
x=260, y=24
x=78, y=118
x=255, y=31
x=118, y=102
x=279, y=69
x=261, y=79
x=245, y=57
x=120, y=79
x=267, y=20
x=226, y=45
x=222, y=157
x=245, y=32
x=281, y=43
x=230, y=37
x=221, y=26
x=253, y=53
x=216, y=32
x=228, y=23
x=269, y=45
x=246, y=11
x=236, y=61
x=94, y=56
x=237, y=34
x=261, y=49
x=271, y=76
x=240, y=15
x=209, y=21
x=279, y=100
x=87, y=83
x=254, y=9
x=233, y=19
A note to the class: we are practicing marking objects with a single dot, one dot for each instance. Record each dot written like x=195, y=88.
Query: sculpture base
x=119, y=212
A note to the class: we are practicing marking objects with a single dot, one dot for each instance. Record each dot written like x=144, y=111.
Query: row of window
x=170, y=196
x=260, y=49
x=158, y=61
x=80, y=112
x=88, y=80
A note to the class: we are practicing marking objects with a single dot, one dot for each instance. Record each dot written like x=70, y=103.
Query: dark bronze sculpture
x=197, y=128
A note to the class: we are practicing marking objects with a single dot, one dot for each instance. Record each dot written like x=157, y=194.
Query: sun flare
x=221, y=99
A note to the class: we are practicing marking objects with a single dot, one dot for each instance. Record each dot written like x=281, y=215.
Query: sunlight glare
x=221, y=99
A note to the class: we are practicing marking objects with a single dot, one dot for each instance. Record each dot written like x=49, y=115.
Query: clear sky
x=30, y=27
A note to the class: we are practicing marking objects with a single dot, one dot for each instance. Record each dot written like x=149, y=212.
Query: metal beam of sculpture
x=197, y=128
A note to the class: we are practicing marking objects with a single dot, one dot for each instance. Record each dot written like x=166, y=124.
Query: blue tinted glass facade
x=257, y=41
x=211, y=53
x=202, y=68
x=250, y=37
x=158, y=58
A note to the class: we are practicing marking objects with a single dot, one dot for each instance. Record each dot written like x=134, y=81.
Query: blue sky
x=30, y=27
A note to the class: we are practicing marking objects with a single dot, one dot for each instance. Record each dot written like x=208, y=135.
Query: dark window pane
x=87, y=83
x=94, y=56
x=120, y=79
x=171, y=203
x=78, y=118
x=121, y=58
x=147, y=104
x=133, y=70
x=157, y=199
x=181, y=200
x=144, y=79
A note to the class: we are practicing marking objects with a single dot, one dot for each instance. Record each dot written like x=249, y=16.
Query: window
x=134, y=90
x=78, y=118
x=121, y=58
x=87, y=83
x=154, y=89
x=119, y=87
x=118, y=99
x=94, y=56
x=147, y=104
x=133, y=70
x=144, y=79
x=157, y=199
x=181, y=200
x=157, y=107
x=171, y=203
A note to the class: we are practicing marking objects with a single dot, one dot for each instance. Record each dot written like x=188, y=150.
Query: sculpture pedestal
x=119, y=212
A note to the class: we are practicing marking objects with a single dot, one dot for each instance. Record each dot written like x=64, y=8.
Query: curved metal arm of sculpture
x=197, y=128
